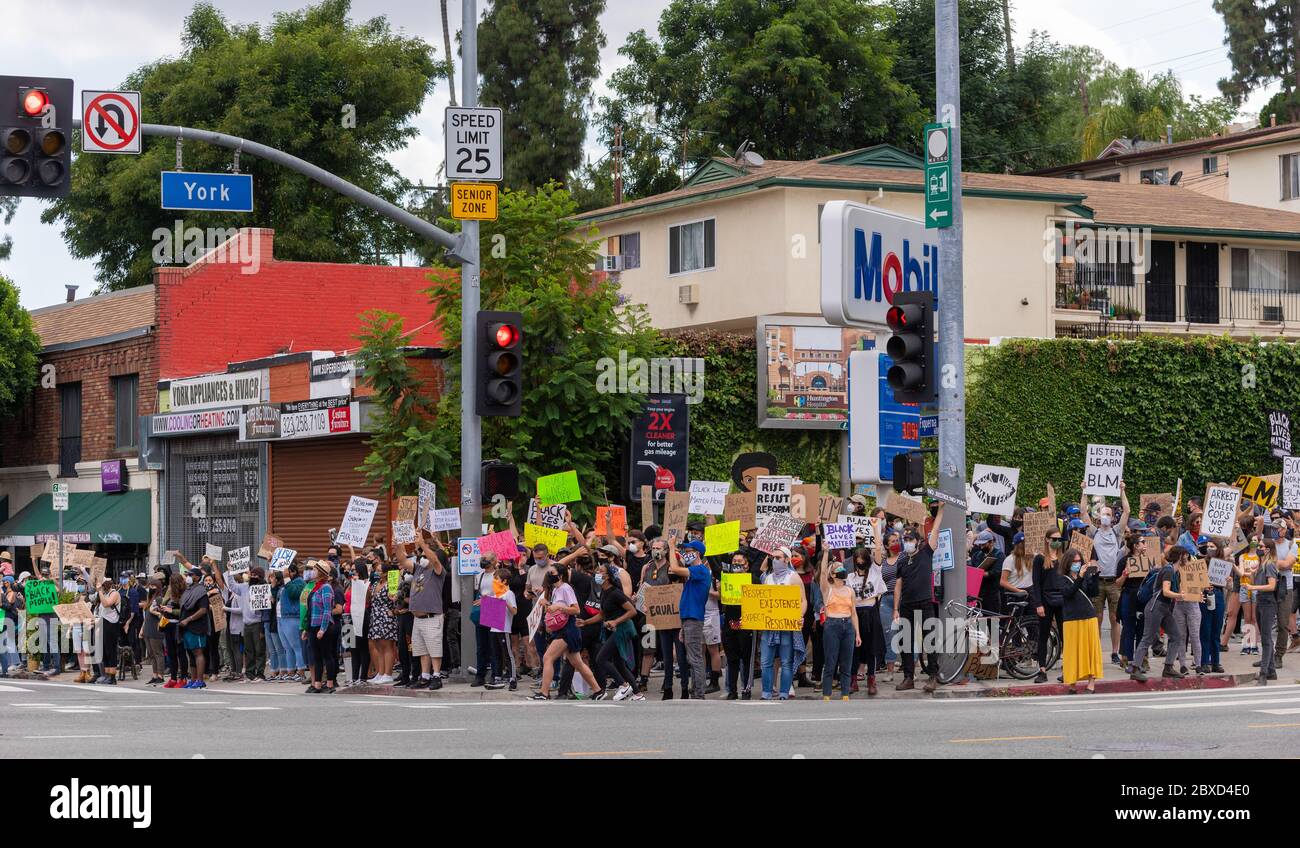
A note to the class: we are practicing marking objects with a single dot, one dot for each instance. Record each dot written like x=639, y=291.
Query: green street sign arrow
x=938, y=175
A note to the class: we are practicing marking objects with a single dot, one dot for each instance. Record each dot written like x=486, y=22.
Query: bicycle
x=1017, y=641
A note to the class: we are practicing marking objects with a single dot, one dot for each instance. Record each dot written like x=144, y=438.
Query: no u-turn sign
x=110, y=122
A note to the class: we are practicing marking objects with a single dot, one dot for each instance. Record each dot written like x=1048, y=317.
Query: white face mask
x=189, y=581
x=909, y=547
x=898, y=525
x=632, y=548
x=1105, y=520
x=309, y=574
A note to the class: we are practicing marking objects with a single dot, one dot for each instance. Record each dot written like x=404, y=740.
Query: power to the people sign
x=110, y=122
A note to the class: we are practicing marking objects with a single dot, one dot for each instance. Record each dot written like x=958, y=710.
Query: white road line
x=84, y=687
x=148, y=707
x=255, y=708
x=205, y=702
x=1114, y=697
x=92, y=736
x=421, y=730
x=1091, y=710
x=1291, y=711
x=1235, y=702
x=76, y=710
x=13, y=689
x=794, y=720
x=425, y=707
x=238, y=692
x=32, y=705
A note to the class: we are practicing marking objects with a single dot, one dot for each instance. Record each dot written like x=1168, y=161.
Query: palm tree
x=451, y=60
x=1131, y=107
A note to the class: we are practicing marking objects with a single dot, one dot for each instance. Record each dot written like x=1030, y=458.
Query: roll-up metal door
x=311, y=482
x=213, y=494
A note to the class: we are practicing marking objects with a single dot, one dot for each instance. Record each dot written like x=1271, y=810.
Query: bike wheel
x=952, y=667
x=1017, y=647
x=1053, y=646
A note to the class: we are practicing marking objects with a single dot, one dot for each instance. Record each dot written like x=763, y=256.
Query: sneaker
x=442, y=675
x=497, y=683
x=514, y=684
x=329, y=690
x=731, y=696
x=1216, y=668
x=1272, y=675
x=435, y=683
x=1114, y=658
x=578, y=696
x=112, y=681
x=601, y=695
x=418, y=683
x=478, y=681
x=1041, y=677
x=637, y=696
x=538, y=696
x=1183, y=669
x=712, y=688
x=668, y=695
x=746, y=695
x=1138, y=676
x=312, y=690
x=844, y=697
x=623, y=693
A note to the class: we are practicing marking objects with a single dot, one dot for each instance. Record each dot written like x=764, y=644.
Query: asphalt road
x=43, y=719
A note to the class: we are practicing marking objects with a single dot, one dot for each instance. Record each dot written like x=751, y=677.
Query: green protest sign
x=558, y=488
x=41, y=596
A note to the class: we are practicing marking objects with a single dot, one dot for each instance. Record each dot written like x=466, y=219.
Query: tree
x=538, y=61
x=451, y=60
x=535, y=261
x=1136, y=107
x=337, y=94
x=1263, y=47
x=19, y=350
x=8, y=207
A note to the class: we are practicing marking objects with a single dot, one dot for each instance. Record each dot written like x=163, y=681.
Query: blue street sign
x=929, y=426
x=208, y=192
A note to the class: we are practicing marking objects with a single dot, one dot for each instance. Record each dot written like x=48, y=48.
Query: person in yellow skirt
x=1077, y=583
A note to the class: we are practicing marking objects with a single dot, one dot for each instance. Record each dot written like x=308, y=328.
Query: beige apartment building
x=739, y=240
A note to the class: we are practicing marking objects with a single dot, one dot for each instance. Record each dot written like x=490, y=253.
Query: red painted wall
x=211, y=314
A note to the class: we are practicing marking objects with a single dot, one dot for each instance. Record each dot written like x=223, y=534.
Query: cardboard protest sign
x=772, y=497
x=828, y=508
x=212, y=552
x=558, y=488
x=1193, y=577
x=781, y=531
x=1080, y=542
x=1220, y=570
x=771, y=607
x=259, y=596
x=552, y=516
x=501, y=543
x=993, y=490
x=1036, y=527
x=426, y=499
x=740, y=507
x=730, y=587
x=1139, y=565
x=1155, y=549
x=1103, y=470
x=98, y=566
x=1291, y=482
x=218, y=611
x=663, y=605
x=1051, y=499
x=676, y=508
x=1220, y=510
x=647, y=506
x=77, y=612
x=406, y=508
x=282, y=558
x=270, y=543
x=840, y=536
x=355, y=529
x=41, y=596
x=534, y=535
x=445, y=519
x=721, y=538
x=804, y=501
x=239, y=558
x=493, y=612
x=708, y=497
x=1262, y=491
x=909, y=509
x=1279, y=433
x=1165, y=500
x=82, y=557
x=403, y=532
x=611, y=521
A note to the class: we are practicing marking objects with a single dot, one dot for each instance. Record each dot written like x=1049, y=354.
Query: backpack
x=1148, y=587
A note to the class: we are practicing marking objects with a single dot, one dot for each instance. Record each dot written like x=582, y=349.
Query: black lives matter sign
x=1279, y=433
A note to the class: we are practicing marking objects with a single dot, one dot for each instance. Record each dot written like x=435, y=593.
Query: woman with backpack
x=1159, y=593
x=1076, y=583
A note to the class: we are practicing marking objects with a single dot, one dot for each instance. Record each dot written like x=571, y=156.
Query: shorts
x=426, y=636
x=1243, y=595
x=1109, y=594
x=78, y=645
x=712, y=629
x=194, y=641
x=571, y=635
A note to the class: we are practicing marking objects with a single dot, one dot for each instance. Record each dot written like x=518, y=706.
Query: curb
x=461, y=691
x=1104, y=687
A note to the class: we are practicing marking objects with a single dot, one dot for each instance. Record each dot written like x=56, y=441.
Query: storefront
x=115, y=525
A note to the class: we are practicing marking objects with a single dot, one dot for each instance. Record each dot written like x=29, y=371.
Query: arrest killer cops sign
x=868, y=256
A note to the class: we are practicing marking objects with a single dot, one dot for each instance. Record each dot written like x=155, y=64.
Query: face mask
x=632, y=548
x=407, y=578
x=658, y=553
x=309, y=574
x=189, y=581
x=898, y=525
x=1074, y=569
x=1056, y=544
x=894, y=547
x=1105, y=521
x=600, y=580
x=909, y=547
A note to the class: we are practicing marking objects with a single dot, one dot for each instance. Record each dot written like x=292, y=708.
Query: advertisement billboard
x=803, y=371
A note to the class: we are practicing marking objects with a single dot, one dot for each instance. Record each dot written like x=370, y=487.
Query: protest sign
x=357, y=608
x=1262, y=491
x=730, y=587
x=708, y=497
x=493, y=612
x=553, y=516
x=840, y=536
x=1193, y=577
x=82, y=557
x=77, y=612
x=1291, y=482
x=1164, y=500
x=1138, y=565
x=259, y=596
x=98, y=566
x=534, y=535
x=771, y=497
x=1220, y=510
x=676, y=508
x=1051, y=499
x=740, y=507
x=357, y=519
x=445, y=519
x=804, y=500
x=1220, y=571
x=1155, y=549
x=501, y=543
x=427, y=499
x=994, y=490
x=469, y=558
x=239, y=558
x=662, y=605
x=394, y=582
x=721, y=538
x=1036, y=527
x=1103, y=470
x=270, y=543
x=771, y=607
x=1080, y=542
x=212, y=552
x=611, y=521
x=406, y=508
x=218, y=611
x=828, y=507
x=558, y=488
x=910, y=510
x=781, y=531
x=41, y=596
x=403, y=532
x=647, y=506
x=1279, y=433
x=866, y=529
x=282, y=558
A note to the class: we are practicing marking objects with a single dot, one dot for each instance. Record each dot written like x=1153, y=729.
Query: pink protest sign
x=492, y=612
x=501, y=543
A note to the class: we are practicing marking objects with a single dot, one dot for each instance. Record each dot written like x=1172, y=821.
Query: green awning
x=108, y=518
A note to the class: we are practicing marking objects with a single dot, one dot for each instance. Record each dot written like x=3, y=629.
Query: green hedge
x=1183, y=407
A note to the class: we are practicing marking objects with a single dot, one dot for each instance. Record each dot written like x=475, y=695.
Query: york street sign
x=208, y=192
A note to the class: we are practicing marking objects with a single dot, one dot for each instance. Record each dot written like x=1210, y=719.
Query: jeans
x=693, y=638
x=291, y=640
x=1266, y=621
x=483, y=652
x=667, y=642
x=274, y=649
x=777, y=643
x=1128, y=624
x=1188, y=616
x=837, y=643
x=887, y=625
x=739, y=646
x=913, y=616
x=1212, y=626
x=255, y=649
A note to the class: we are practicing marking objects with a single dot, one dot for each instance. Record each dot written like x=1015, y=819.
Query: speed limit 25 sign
x=474, y=143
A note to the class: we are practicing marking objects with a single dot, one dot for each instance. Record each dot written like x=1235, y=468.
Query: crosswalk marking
x=254, y=708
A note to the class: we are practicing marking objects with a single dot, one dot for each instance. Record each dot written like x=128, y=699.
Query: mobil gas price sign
x=869, y=255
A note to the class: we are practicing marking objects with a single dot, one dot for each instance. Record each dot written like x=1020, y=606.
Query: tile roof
x=95, y=317
x=1238, y=143
x=1154, y=206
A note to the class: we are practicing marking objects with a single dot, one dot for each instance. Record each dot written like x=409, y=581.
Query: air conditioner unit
x=611, y=263
x=1272, y=313
x=688, y=294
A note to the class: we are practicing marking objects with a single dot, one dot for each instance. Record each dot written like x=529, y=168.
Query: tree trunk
x=451, y=60
x=1006, y=21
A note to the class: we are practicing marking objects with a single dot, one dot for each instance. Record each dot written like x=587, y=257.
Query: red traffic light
x=903, y=317
x=34, y=102
x=505, y=335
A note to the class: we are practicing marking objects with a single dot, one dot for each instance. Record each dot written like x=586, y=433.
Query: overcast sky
x=105, y=41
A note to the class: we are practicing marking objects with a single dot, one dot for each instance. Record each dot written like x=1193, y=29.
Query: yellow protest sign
x=1262, y=491
x=552, y=539
x=771, y=608
x=474, y=201
x=732, y=585
x=721, y=538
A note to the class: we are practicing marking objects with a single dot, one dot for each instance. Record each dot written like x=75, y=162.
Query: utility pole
x=618, y=164
x=952, y=321
x=1006, y=23
x=471, y=426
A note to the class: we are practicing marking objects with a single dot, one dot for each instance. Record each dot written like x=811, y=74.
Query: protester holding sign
x=1248, y=562
x=779, y=644
x=1214, y=607
x=1265, y=586
x=868, y=586
x=560, y=609
x=1041, y=603
x=840, y=632
x=1163, y=586
x=737, y=643
x=1107, y=534
x=1075, y=582
x=913, y=598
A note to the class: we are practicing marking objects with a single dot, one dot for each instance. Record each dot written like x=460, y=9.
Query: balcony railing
x=1178, y=304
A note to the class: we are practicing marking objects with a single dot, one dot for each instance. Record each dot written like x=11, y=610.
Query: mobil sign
x=868, y=256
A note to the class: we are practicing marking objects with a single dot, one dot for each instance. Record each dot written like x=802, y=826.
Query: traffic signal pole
x=951, y=349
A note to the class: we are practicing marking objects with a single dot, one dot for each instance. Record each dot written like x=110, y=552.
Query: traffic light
x=35, y=136
x=499, y=478
x=500, y=347
x=912, y=347
x=909, y=472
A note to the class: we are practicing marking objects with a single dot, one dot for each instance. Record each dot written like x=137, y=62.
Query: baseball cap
x=1018, y=538
x=698, y=547
x=1076, y=524
x=1044, y=503
x=196, y=572
x=1072, y=509
x=984, y=537
x=613, y=551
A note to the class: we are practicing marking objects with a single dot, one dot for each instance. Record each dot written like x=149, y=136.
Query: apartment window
x=629, y=247
x=126, y=391
x=690, y=247
x=1210, y=165
x=1109, y=178
x=1265, y=270
x=1290, y=168
x=1156, y=176
x=69, y=429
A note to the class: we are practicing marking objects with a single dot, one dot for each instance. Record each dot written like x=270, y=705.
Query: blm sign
x=1279, y=433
